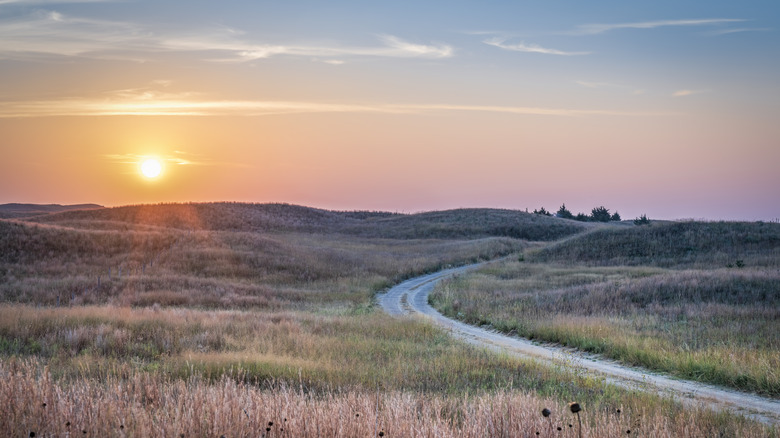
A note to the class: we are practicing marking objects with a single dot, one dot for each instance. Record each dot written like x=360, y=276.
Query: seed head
x=545, y=412
x=574, y=407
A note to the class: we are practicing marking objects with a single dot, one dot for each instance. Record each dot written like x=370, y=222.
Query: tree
x=542, y=211
x=642, y=220
x=600, y=214
x=563, y=212
x=582, y=217
x=615, y=217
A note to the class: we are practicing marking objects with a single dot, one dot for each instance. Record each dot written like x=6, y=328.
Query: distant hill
x=449, y=224
x=672, y=244
x=15, y=210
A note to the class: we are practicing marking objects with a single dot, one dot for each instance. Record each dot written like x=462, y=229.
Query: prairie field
x=714, y=318
x=259, y=320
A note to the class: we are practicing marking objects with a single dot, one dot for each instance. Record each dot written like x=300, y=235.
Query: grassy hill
x=272, y=303
x=672, y=244
x=16, y=210
x=231, y=254
x=450, y=224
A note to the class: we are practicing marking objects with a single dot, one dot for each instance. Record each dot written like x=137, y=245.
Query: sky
x=664, y=108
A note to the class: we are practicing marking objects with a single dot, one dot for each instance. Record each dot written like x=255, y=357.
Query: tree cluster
x=598, y=214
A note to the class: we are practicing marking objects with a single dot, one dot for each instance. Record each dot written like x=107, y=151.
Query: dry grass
x=53, y=265
x=211, y=319
x=151, y=405
x=719, y=326
x=674, y=244
x=450, y=224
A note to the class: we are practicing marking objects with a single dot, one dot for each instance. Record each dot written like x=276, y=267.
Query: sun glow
x=151, y=168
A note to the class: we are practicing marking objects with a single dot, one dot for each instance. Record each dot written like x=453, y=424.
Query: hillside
x=450, y=224
x=673, y=244
x=227, y=254
x=15, y=210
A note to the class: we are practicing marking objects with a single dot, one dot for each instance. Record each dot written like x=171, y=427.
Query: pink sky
x=668, y=111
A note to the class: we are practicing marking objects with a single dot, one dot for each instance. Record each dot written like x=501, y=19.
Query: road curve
x=411, y=298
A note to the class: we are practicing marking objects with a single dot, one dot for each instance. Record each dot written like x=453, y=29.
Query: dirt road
x=411, y=298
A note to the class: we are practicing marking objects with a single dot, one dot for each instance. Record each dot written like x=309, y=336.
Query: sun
x=151, y=168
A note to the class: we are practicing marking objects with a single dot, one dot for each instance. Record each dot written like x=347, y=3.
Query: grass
x=671, y=244
x=316, y=351
x=152, y=405
x=217, y=319
x=51, y=265
x=717, y=326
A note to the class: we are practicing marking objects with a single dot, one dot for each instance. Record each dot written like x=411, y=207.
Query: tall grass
x=144, y=404
x=317, y=351
x=53, y=265
x=719, y=326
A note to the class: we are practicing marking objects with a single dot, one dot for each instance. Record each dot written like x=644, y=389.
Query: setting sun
x=151, y=168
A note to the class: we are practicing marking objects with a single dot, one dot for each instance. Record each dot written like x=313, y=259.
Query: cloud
x=738, y=30
x=53, y=33
x=177, y=158
x=404, y=48
x=530, y=48
x=592, y=29
x=46, y=33
x=137, y=103
x=683, y=93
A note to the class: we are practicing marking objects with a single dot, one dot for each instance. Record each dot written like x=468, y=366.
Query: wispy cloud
x=530, y=48
x=175, y=158
x=54, y=33
x=738, y=30
x=683, y=93
x=119, y=104
x=592, y=29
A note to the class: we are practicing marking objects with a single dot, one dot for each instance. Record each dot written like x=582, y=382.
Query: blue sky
x=667, y=97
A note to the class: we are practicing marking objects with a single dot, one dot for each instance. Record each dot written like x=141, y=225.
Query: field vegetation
x=259, y=320
x=713, y=317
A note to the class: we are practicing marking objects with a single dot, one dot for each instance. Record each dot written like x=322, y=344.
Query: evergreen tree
x=642, y=220
x=582, y=217
x=600, y=214
x=563, y=212
x=542, y=211
x=615, y=217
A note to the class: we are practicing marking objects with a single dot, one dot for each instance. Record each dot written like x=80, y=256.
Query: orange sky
x=672, y=118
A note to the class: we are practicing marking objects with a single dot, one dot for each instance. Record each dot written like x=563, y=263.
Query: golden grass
x=146, y=404
x=718, y=326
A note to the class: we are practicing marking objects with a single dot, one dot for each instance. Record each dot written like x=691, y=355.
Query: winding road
x=411, y=298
